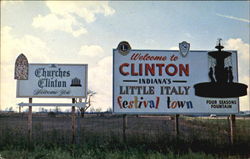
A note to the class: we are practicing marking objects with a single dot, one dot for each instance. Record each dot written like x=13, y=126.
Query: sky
x=85, y=32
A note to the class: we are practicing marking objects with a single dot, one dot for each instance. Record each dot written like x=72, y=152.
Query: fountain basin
x=220, y=90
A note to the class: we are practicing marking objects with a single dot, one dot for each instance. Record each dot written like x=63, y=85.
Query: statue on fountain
x=221, y=77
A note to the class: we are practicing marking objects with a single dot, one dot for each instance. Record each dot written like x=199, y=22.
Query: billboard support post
x=232, y=128
x=50, y=81
x=73, y=122
x=228, y=129
x=30, y=121
x=125, y=124
x=177, y=124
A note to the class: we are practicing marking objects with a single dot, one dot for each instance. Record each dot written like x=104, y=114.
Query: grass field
x=101, y=137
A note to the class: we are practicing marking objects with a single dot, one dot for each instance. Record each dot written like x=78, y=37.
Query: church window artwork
x=21, y=68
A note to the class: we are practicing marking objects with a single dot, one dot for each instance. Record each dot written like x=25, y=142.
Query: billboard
x=162, y=82
x=54, y=81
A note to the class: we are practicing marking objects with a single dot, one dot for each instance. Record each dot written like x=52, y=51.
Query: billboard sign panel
x=55, y=81
x=162, y=82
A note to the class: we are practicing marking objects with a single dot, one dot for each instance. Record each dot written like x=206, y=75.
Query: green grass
x=87, y=153
x=97, y=146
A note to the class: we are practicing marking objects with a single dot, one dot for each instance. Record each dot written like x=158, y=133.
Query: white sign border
x=59, y=64
x=171, y=113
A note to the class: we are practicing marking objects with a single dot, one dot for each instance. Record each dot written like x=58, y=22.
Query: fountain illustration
x=221, y=77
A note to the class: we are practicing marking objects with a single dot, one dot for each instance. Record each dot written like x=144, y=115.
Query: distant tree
x=68, y=110
x=98, y=110
x=57, y=109
x=92, y=110
x=40, y=109
x=19, y=109
x=109, y=110
x=52, y=114
x=90, y=94
x=9, y=109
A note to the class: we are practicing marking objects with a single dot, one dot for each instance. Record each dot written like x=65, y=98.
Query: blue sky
x=86, y=32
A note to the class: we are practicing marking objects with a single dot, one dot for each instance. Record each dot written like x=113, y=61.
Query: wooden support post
x=80, y=100
x=228, y=129
x=232, y=128
x=73, y=122
x=177, y=124
x=30, y=121
x=81, y=113
x=125, y=122
x=78, y=122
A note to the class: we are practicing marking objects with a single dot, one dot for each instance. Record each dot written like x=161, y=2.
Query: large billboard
x=162, y=82
x=55, y=81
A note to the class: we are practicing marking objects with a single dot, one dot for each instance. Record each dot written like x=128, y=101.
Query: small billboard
x=54, y=81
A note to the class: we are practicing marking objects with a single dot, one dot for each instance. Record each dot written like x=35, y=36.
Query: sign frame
x=115, y=50
x=58, y=64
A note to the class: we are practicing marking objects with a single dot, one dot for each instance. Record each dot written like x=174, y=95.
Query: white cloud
x=35, y=50
x=100, y=81
x=234, y=18
x=243, y=54
x=63, y=16
x=243, y=63
x=53, y=22
x=188, y=35
x=91, y=50
x=4, y=3
x=86, y=10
